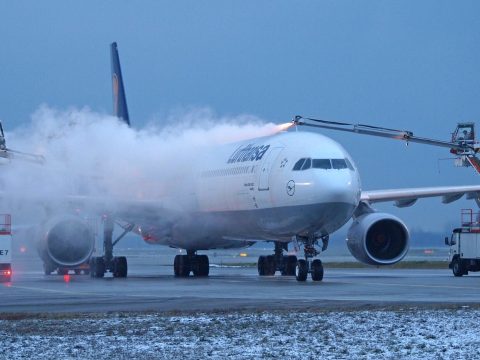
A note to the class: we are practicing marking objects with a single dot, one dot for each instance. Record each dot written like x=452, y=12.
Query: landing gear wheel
x=120, y=267
x=457, y=267
x=202, y=266
x=301, y=270
x=176, y=269
x=181, y=266
x=62, y=271
x=77, y=271
x=270, y=265
x=97, y=267
x=261, y=265
x=317, y=270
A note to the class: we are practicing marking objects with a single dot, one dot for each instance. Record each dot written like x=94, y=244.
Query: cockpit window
x=339, y=164
x=321, y=164
x=307, y=164
x=349, y=164
x=298, y=164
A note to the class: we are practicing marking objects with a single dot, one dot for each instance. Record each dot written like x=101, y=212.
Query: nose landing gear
x=307, y=265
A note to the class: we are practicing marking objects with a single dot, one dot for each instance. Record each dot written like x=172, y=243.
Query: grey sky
x=404, y=64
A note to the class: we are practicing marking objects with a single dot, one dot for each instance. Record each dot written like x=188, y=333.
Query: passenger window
x=299, y=164
x=339, y=164
x=307, y=164
x=321, y=164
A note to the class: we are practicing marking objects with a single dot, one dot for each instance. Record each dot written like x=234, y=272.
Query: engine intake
x=67, y=241
x=378, y=239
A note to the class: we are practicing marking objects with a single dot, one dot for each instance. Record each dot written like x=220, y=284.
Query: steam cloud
x=94, y=154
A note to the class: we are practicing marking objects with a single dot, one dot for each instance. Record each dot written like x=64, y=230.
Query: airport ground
x=352, y=313
x=151, y=286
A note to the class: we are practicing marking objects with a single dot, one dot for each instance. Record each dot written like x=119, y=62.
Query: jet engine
x=66, y=242
x=378, y=239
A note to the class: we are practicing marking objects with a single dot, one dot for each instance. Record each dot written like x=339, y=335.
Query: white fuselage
x=251, y=191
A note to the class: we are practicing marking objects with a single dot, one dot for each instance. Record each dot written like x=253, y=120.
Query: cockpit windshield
x=321, y=164
x=325, y=164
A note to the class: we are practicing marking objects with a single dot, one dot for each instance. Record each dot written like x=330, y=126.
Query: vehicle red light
x=66, y=278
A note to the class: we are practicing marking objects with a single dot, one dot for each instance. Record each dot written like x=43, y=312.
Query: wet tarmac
x=151, y=286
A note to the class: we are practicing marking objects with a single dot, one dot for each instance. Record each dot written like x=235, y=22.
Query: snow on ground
x=374, y=334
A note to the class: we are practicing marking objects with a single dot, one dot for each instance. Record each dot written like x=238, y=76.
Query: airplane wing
x=408, y=197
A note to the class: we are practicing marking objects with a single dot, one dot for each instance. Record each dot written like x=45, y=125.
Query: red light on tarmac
x=66, y=278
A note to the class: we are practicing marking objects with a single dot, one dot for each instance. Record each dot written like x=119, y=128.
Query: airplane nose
x=340, y=187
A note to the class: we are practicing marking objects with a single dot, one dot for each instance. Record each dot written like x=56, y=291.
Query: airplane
x=293, y=186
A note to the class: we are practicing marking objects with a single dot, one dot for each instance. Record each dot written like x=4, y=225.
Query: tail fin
x=120, y=109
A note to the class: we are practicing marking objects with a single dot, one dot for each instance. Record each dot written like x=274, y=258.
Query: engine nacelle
x=378, y=239
x=67, y=241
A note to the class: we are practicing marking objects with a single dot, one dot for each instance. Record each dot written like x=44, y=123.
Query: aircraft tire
x=98, y=267
x=184, y=266
x=301, y=270
x=270, y=266
x=120, y=267
x=261, y=265
x=202, y=267
x=62, y=271
x=176, y=269
x=317, y=270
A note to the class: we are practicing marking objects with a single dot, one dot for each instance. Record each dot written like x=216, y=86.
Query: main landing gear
x=307, y=265
x=197, y=264
x=268, y=265
x=117, y=265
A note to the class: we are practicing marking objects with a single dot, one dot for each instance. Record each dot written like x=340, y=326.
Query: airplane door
x=266, y=168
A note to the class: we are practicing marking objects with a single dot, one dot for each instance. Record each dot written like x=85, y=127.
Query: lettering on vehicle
x=3, y=252
x=250, y=152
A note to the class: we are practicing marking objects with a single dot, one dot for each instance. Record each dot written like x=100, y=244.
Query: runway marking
x=53, y=290
x=415, y=285
x=80, y=293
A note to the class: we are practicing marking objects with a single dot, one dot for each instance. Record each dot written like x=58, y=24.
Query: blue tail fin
x=120, y=109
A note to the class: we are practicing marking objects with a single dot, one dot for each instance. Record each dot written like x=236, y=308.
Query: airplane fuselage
x=269, y=188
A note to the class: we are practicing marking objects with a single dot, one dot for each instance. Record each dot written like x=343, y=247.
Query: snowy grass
x=374, y=334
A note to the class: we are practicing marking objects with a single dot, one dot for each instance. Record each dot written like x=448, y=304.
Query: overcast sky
x=405, y=64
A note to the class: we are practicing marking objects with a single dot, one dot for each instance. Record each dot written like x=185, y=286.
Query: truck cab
x=464, y=243
x=5, y=248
